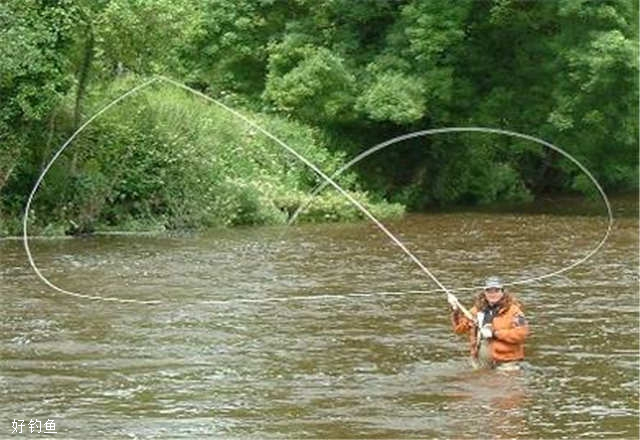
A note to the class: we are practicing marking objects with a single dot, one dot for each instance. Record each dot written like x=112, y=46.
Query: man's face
x=493, y=294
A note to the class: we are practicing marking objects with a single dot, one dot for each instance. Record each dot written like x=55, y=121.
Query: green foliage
x=310, y=83
x=144, y=36
x=172, y=160
x=227, y=50
x=330, y=77
x=330, y=206
x=34, y=72
x=394, y=97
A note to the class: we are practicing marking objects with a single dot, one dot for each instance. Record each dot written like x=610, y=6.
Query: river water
x=326, y=331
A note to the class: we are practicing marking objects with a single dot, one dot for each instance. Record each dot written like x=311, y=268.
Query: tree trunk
x=83, y=79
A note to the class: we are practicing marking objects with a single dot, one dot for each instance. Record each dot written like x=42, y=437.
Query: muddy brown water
x=326, y=332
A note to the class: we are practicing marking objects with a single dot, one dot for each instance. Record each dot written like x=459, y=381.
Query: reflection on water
x=369, y=366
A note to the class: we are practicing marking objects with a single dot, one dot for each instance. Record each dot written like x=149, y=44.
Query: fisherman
x=497, y=335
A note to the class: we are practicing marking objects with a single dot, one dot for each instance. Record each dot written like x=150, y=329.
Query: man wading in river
x=497, y=340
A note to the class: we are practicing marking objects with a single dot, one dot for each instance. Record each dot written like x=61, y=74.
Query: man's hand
x=486, y=332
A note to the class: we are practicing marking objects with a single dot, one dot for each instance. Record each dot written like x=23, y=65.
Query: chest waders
x=483, y=349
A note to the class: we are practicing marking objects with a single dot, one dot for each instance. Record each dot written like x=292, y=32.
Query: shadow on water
x=624, y=205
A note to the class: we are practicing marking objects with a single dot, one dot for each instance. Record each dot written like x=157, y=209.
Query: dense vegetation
x=331, y=78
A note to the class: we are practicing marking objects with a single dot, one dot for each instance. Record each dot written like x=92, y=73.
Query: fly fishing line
x=436, y=131
x=251, y=123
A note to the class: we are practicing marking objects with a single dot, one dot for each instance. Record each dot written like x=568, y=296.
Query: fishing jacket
x=510, y=329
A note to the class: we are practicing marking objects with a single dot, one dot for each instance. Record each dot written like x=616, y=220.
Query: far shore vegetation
x=329, y=78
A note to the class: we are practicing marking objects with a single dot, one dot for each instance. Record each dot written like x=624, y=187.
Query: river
x=320, y=331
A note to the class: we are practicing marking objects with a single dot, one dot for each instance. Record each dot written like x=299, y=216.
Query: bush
x=331, y=206
x=168, y=159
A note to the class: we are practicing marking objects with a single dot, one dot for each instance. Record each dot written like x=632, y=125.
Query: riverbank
x=623, y=205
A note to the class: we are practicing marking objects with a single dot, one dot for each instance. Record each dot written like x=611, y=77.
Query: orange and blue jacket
x=510, y=329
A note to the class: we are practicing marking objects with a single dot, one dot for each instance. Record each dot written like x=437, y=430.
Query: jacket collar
x=500, y=307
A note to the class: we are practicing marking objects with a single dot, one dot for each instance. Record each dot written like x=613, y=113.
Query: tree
x=34, y=78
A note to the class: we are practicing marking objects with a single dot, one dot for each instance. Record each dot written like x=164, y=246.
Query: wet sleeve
x=517, y=332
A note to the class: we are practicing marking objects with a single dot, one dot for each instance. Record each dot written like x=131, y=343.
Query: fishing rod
x=304, y=160
x=331, y=182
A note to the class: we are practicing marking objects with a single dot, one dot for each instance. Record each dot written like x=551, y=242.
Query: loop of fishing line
x=326, y=181
x=434, y=131
x=233, y=112
x=25, y=220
